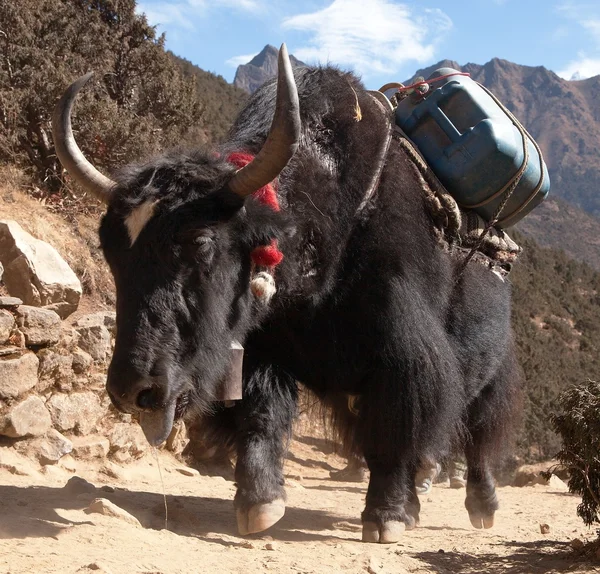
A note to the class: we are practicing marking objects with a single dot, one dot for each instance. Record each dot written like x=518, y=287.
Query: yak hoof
x=480, y=521
x=388, y=533
x=260, y=517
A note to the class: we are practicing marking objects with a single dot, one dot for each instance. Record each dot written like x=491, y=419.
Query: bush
x=579, y=427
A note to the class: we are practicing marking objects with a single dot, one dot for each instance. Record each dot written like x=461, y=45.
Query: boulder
x=127, y=438
x=18, y=375
x=106, y=318
x=53, y=447
x=27, y=418
x=7, y=324
x=81, y=361
x=75, y=411
x=108, y=508
x=88, y=447
x=94, y=339
x=40, y=327
x=54, y=369
x=10, y=302
x=34, y=271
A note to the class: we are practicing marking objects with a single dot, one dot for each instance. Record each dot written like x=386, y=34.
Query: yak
x=307, y=238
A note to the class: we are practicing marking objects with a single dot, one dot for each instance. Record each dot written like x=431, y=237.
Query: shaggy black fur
x=367, y=304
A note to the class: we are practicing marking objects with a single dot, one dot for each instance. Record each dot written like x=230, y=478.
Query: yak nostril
x=148, y=399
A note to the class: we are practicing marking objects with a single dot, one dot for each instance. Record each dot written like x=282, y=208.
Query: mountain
x=563, y=116
x=251, y=76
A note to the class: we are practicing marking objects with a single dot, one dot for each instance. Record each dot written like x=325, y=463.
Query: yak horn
x=68, y=151
x=282, y=141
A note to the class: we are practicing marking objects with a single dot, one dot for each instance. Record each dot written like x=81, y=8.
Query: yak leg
x=390, y=506
x=263, y=425
x=489, y=418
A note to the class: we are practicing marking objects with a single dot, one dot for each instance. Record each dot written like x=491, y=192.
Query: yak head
x=177, y=234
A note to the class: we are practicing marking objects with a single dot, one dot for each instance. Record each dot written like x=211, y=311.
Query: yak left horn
x=68, y=151
x=283, y=139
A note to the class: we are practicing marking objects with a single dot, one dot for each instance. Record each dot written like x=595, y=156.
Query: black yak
x=370, y=303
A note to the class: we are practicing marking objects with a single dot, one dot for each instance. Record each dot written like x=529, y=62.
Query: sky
x=383, y=40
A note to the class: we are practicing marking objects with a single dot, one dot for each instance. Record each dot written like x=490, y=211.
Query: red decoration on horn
x=263, y=255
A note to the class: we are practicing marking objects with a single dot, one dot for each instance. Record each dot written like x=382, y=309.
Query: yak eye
x=198, y=245
x=203, y=243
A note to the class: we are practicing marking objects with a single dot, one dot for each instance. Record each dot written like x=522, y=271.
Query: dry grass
x=74, y=235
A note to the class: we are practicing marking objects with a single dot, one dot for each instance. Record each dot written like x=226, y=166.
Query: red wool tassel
x=264, y=255
x=267, y=255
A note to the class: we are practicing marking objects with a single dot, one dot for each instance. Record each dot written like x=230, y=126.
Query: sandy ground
x=44, y=527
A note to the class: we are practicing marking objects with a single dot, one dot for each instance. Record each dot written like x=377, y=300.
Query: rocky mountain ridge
x=251, y=76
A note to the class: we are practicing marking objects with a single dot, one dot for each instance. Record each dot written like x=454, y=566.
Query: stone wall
x=52, y=396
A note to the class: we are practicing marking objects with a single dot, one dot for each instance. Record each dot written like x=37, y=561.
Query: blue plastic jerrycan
x=473, y=146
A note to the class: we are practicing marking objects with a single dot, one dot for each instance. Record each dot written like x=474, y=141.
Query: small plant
x=578, y=424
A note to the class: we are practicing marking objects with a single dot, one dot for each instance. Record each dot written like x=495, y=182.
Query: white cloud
x=581, y=69
x=593, y=27
x=239, y=60
x=378, y=36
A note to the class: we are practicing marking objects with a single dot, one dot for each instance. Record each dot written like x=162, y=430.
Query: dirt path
x=44, y=529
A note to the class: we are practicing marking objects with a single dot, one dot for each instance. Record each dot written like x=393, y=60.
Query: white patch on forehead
x=139, y=217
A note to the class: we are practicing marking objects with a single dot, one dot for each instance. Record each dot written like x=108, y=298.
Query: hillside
x=563, y=116
x=220, y=100
x=556, y=318
x=560, y=225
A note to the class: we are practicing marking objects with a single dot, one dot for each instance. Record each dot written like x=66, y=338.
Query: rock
x=10, y=302
x=17, y=338
x=107, y=508
x=68, y=463
x=270, y=546
x=187, y=471
x=177, y=440
x=27, y=418
x=76, y=411
x=97, y=382
x=113, y=470
x=127, y=438
x=95, y=340
x=7, y=351
x=529, y=474
x=53, y=447
x=34, y=271
x=18, y=375
x=89, y=447
x=7, y=324
x=106, y=318
x=248, y=544
x=577, y=544
x=557, y=484
x=77, y=485
x=96, y=568
x=54, y=369
x=81, y=361
x=40, y=327
x=69, y=339
x=544, y=528
x=63, y=309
